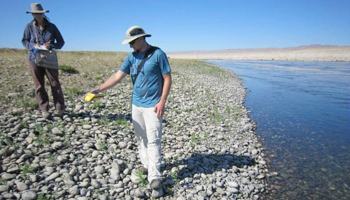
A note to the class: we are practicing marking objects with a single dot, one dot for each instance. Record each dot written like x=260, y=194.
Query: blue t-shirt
x=148, y=86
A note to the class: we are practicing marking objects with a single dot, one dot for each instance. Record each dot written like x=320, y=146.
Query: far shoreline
x=318, y=53
x=305, y=53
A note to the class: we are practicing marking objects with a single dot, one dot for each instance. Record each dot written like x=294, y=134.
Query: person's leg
x=38, y=74
x=140, y=132
x=57, y=94
x=154, y=136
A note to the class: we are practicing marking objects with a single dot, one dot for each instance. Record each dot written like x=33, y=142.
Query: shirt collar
x=45, y=23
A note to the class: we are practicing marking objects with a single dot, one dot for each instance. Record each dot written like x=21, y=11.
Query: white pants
x=148, y=131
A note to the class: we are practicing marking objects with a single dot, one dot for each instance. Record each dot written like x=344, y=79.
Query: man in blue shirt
x=150, y=72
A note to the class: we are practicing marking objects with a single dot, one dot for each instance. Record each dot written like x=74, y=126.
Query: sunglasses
x=132, y=42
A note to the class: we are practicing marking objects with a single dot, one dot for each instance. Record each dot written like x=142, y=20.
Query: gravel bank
x=209, y=145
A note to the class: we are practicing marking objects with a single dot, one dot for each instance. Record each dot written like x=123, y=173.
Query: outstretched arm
x=112, y=81
x=159, y=108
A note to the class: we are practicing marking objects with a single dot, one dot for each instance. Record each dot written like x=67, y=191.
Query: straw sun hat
x=133, y=33
x=36, y=8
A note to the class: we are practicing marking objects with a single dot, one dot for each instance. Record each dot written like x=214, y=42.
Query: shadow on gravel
x=210, y=163
x=111, y=117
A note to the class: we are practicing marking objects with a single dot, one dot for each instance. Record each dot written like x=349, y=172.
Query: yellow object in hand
x=89, y=96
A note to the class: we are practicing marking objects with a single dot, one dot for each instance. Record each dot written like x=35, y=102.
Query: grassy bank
x=79, y=72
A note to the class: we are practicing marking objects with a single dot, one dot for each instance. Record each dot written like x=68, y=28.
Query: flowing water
x=302, y=112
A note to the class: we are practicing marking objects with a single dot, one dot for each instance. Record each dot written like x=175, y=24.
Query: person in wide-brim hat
x=36, y=8
x=150, y=73
x=41, y=34
x=133, y=33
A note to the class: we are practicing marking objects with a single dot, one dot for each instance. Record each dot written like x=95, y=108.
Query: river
x=302, y=112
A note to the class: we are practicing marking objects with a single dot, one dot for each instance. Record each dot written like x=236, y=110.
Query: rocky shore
x=209, y=145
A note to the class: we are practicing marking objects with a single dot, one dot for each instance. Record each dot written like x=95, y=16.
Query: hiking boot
x=60, y=113
x=45, y=114
x=156, y=184
x=59, y=110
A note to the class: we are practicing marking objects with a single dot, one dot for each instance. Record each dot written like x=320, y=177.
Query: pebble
x=52, y=176
x=21, y=186
x=28, y=195
x=122, y=145
x=7, y=176
x=102, y=197
x=95, y=154
x=139, y=193
x=99, y=170
x=13, y=169
x=74, y=190
x=115, y=173
x=4, y=188
x=233, y=184
x=57, y=145
x=87, y=127
x=56, y=131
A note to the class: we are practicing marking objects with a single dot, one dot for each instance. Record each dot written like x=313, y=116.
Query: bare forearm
x=112, y=81
x=166, y=88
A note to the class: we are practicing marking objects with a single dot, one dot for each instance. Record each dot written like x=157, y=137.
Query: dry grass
x=16, y=84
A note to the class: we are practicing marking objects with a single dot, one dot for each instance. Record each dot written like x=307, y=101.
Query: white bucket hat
x=133, y=33
x=36, y=8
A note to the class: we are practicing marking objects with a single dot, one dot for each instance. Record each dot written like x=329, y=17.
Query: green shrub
x=195, y=139
x=174, y=176
x=142, y=178
x=2, y=182
x=43, y=140
x=68, y=69
x=23, y=125
x=42, y=137
x=216, y=116
x=97, y=105
x=121, y=122
x=27, y=103
x=5, y=140
x=102, y=145
x=26, y=169
x=73, y=91
x=43, y=197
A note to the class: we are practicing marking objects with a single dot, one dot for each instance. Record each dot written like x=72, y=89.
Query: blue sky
x=183, y=25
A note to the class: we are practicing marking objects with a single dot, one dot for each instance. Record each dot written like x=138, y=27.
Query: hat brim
x=38, y=12
x=130, y=39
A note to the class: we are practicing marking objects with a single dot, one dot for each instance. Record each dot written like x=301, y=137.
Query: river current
x=302, y=112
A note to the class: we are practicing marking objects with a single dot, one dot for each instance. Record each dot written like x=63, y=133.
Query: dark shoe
x=60, y=113
x=59, y=110
x=45, y=115
x=156, y=184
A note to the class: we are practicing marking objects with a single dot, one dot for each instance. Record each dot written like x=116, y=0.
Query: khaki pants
x=148, y=130
x=38, y=74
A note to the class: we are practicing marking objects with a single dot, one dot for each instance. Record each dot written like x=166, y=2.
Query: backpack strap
x=149, y=52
